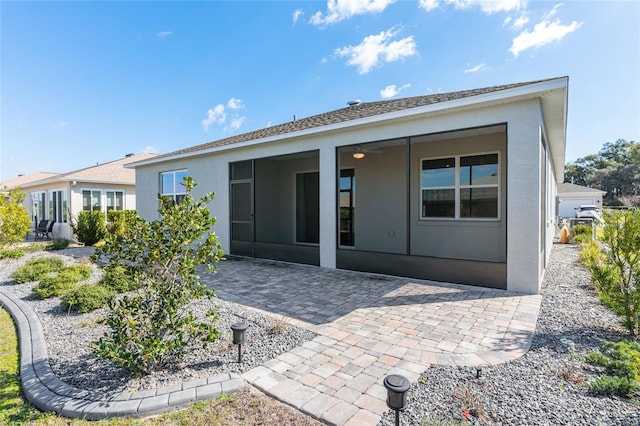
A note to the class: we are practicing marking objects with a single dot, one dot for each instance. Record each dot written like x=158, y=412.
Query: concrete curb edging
x=44, y=390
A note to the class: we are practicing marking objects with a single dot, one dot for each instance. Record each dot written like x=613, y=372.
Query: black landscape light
x=397, y=387
x=239, y=337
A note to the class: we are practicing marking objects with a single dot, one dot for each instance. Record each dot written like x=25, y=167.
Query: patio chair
x=44, y=228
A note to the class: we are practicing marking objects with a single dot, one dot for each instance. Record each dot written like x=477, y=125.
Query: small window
x=171, y=184
x=115, y=200
x=91, y=200
x=464, y=187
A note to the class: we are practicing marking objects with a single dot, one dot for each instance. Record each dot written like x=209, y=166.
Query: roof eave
x=533, y=90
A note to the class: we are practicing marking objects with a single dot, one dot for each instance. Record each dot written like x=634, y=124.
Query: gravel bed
x=546, y=386
x=69, y=336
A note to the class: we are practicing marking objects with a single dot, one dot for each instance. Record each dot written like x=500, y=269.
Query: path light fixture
x=397, y=387
x=239, y=337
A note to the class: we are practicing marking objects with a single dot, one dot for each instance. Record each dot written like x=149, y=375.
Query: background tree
x=14, y=217
x=614, y=169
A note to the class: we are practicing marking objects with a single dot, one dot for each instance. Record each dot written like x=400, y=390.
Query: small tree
x=14, y=217
x=622, y=292
x=118, y=221
x=89, y=227
x=153, y=326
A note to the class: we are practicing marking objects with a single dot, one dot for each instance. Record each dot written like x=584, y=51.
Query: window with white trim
x=171, y=184
x=115, y=200
x=460, y=187
x=91, y=200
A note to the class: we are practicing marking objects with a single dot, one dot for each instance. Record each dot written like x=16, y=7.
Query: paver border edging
x=43, y=389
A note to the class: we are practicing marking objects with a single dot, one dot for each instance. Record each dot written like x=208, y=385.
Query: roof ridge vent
x=354, y=102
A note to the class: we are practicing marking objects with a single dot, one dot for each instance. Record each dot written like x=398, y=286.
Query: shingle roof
x=361, y=110
x=570, y=188
x=25, y=179
x=111, y=172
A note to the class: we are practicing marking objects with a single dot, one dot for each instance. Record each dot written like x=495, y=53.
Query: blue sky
x=88, y=82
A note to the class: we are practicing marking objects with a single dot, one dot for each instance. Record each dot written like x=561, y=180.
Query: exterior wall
x=570, y=202
x=522, y=184
x=551, y=212
x=473, y=239
x=60, y=230
x=523, y=198
x=74, y=200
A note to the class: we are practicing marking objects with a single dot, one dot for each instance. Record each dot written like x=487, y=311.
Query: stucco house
x=454, y=187
x=53, y=196
x=571, y=196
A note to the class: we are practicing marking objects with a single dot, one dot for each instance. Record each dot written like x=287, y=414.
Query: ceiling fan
x=360, y=151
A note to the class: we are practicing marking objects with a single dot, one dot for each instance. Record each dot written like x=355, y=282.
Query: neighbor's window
x=91, y=200
x=58, y=205
x=171, y=184
x=460, y=187
x=115, y=200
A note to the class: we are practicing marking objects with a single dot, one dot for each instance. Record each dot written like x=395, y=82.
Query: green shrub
x=34, y=247
x=36, y=269
x=118, y=279
x=591, y=253
x=59, y=243
x=153, y=327
x=622, y=237
x=622, y=362
x=89, y=227
x=614, y=385
x=14, y=253
x=64, y=281
x=121, y=222
x=86, y=298
x=14, y=217
x=581, y=233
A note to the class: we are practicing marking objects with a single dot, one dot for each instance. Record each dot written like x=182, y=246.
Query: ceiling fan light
x=358, y=155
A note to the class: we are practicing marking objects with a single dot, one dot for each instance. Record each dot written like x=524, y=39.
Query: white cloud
x=545, y=32
x=428, y=5
x=487, y=6
x=218, y=115
x=61, y=124
x=474, y=69
x=215, y=115
x=339, y=10
x=377, y=48
x=235, y=104
x=296, y=15
x=235, y=123
x=392, y=90
x=149, y=149
x=520, y=22
x=163, y=34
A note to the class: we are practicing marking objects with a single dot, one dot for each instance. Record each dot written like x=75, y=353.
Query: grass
x=13, y=409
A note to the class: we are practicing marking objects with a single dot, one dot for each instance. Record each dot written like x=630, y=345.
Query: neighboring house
x=571, y=196
x=454, y=187
x=53, y=196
